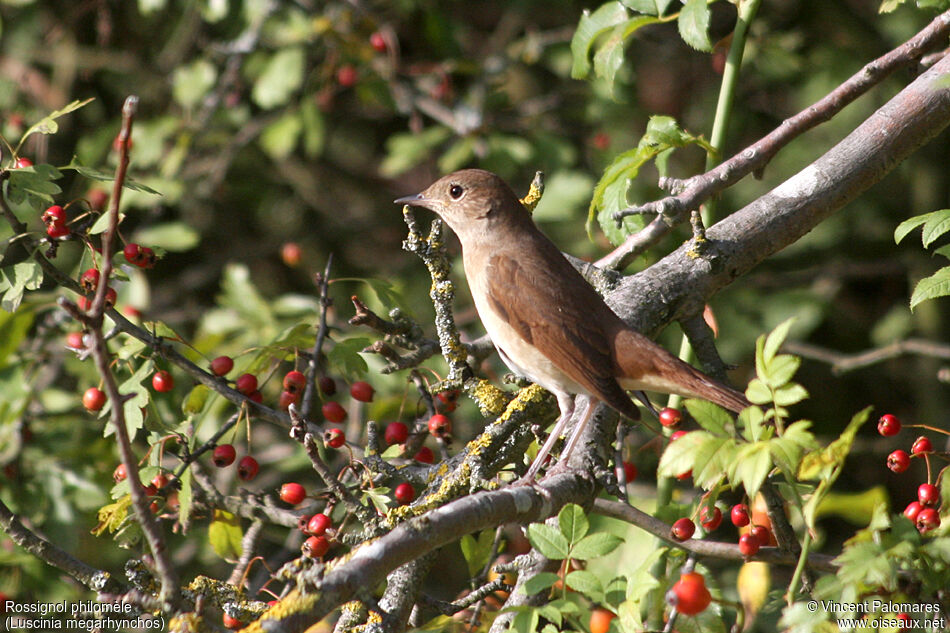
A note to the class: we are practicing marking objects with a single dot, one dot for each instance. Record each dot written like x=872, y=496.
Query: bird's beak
x=417, y=200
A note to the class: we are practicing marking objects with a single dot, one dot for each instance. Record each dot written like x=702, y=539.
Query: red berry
x=57, y=230
x=132, y=252
x=256, y=396
x=231, y=623
x=670, y=417
x=449, y=396
x=927, y=520
x=749, y=545
x=334, y=438
x=928, y=495
x=629, y=471
x=318, y=524
x=600, y=141
x=600, y=620
x=404, y=493
x=162, y=381
x=89, y=279
x=922, y=445
x=110, y=297
x=327, y=385
x=333, y=412
x=291, y=253
x=23, y=162
x=396, y=433
x=425, y=455
x=686, y=475
x=683, y=529
x=160, y=481
x=913, y=510
x=294, y=381
x=119, y=474
x=247, y=468
x=362, y=391
x=74, y=340
x=222, y=365
x=147, y=258
x=286, y=399
x=740, y=515
x=888, y=425
x=440, y=425
x=94, y=399
x=378, y=42
x=246, y=384
x=223, y=455
x=347, y=75
x=691, y=594
x=710, y=517
x=761, y=533
x=54, y=215
x=315, y=546
x=675, y=435
x=898, y=461
x=292, y=493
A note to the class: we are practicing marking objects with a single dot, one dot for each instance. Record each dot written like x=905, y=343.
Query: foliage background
x=248, y=133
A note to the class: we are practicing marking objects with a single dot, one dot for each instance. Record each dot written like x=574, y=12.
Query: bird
x=546, y=322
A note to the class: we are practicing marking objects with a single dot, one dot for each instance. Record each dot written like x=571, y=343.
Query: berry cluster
x=924, y=512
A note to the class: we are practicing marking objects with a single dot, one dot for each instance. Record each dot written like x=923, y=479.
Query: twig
x=248, y=549
x=314, y=365
x=842, y=363
x=690, y=193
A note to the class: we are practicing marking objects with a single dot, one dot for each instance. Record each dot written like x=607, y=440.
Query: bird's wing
x=564, y=317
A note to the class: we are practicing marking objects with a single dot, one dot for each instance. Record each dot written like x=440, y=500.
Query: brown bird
x=547, y=323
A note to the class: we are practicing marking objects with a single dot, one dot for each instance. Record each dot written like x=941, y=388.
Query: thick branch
x=678, y=285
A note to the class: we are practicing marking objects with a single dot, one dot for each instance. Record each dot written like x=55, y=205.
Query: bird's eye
x=456, y=191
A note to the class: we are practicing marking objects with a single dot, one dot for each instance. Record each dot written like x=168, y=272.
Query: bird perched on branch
x=547, y=323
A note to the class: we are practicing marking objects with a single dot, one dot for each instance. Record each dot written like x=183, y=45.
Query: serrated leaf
x=112, y=516
x=616, y=591
x=820, y=464
x=225, y=535
x=752, y=466
x=383, y=290
x=693, y=25
x=548, y=541
x=586, y=583
x=937, y=224
x=185, y=497
x=573, y=523
x=540, y=582
x=553, y=615
x=710, y=416
x=525, y=621
x=758, y=392
x=933, y=287
x=775, y=339
x=780, y=370
x=281, y=77
x=712, y=459
x=345, y=356
x=678, y=456
x=48, y=125
x=594, y=545
x=104, y=176
x=589, y=28
x=789, y=395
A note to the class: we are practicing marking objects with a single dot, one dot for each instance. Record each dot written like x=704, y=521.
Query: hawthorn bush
x=225, y=400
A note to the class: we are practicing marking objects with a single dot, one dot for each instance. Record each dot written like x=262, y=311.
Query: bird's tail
x=644, y=365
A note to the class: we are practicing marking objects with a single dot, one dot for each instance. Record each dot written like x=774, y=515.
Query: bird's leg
x=579, y=429
x=565, y=403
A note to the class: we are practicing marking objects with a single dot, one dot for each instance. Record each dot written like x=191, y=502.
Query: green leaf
x=616, y=591
x=345, y=356
x=711, y=417
x=525, y=620
x=935, y=224
x=594, y=545
x=281, y=136
x=573, y=523
x=190, y=83
x=225, y=535
x=781, y=369
x=758, y=392
x=185, y=497
x=693, y=24
x=14, y=327
x=477, y=551
x=589, y=28
x=48, y=125
x=775, y=339
x=789, y=395
x=405, y=151
x=33, y=185
x=646, y=7
x=548, y=541
x=908, y=225
x=752, y=465
x=196, y=399
x=933, y=287
x=281, y=77
x=314, y=128
x=586, y=583
x=104, y=176
x=541, y=582
x=176, y=236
